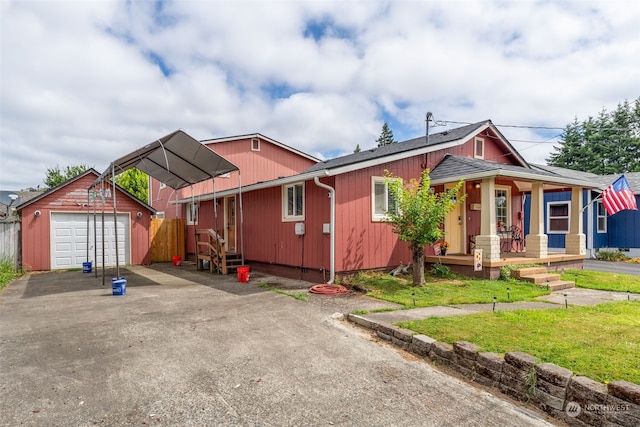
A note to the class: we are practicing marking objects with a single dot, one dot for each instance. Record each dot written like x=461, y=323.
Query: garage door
x=69, y=240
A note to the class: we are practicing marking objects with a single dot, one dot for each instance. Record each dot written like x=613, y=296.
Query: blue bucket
x=119, y=286
x=86, y=267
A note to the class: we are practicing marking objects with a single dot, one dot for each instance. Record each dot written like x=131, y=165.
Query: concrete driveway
x=189, y=348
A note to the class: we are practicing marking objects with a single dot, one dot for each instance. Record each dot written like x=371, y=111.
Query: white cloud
x=80, y=82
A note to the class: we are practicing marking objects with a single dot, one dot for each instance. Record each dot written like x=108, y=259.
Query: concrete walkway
x=573, y=297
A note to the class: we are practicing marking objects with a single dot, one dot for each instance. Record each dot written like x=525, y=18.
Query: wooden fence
x=10, y=242
x=167, y=239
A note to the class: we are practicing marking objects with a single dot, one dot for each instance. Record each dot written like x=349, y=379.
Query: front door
x=230, y=218
x=453, y=227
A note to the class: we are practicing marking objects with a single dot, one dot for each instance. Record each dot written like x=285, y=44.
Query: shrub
x=607, y=255
x=441, y=270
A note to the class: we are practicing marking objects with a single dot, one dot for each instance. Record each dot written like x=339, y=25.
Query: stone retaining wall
x=576, y=400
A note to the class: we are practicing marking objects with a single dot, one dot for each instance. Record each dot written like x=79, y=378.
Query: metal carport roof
x=177, y=160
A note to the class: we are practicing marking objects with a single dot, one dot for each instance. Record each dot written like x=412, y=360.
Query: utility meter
x=299, y=228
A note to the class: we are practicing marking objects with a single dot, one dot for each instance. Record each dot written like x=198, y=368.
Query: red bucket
x=243, y=274
x=177, y=260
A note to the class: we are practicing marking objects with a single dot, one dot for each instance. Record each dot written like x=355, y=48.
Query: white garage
x=69, y=240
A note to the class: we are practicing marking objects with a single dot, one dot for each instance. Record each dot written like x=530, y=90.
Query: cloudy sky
x=85, y=82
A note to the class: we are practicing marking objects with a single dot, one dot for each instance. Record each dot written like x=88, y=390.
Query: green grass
x=300, y=297
x=601, y=342
x=7, y=273
x=449, y=291
x=603, y=281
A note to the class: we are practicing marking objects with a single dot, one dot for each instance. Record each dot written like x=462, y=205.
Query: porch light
x=476, y=185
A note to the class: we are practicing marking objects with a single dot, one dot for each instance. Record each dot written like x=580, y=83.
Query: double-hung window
x=602, y=217
x=293, y=202
x=382, y=200
x=558, y=218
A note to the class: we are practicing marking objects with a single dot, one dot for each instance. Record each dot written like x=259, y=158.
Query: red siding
x=36, y=231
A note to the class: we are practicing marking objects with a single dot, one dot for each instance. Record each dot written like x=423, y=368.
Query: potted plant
x=444, y=245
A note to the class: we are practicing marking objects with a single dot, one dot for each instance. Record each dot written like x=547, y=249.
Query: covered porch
x=491, y=219
x=464, y=264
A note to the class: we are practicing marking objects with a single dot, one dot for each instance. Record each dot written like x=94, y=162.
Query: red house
x=328, y=218
x=55, y=226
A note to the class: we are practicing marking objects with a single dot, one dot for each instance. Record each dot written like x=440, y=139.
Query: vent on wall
x=255, y=144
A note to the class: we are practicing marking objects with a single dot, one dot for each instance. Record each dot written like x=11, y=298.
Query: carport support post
x=115, y=219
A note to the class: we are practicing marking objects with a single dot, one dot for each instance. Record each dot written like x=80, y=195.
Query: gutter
x=332, y=228
x=522, y=175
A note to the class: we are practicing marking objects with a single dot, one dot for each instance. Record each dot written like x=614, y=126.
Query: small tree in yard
x=419, y=216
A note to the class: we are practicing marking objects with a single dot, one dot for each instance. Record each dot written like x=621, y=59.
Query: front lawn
x=444, y=291
x=603, y=281
x=601, y=342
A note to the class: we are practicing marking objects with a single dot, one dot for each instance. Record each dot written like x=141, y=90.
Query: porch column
x=488, y=240
x=576, y=242
x=536, y=241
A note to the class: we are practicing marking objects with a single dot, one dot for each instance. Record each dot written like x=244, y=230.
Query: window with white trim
x=293, y=202
x=160, y=215
x=382, y=200
x=478, y=148
x=503, y=203
x=558, y=217
x=602, y=217
x=255, y=144
x=192, y=213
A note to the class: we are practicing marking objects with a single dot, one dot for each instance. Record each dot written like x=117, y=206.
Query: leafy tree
x=386, y=136
x=56, y=177
x=420, y=214
x=606, y=144
x=135, y=182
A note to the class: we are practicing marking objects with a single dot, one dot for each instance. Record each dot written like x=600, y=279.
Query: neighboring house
x=55, y=226
x=287, y=222
x=617, y=232
x=258, y=158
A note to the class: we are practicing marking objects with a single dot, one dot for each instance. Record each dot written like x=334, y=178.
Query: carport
x=177, y=160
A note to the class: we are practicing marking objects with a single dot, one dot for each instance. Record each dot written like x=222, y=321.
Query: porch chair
x=517, y=240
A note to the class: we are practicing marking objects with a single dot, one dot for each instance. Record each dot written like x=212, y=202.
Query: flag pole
x=599, y=196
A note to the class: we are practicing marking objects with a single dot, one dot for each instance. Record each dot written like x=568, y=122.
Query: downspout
x=332, y=228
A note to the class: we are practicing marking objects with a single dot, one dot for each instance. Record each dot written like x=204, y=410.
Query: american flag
x=618, y=196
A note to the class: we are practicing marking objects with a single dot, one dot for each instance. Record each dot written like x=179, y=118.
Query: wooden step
x=517, y=274
x=540, y=278
x=558, y=285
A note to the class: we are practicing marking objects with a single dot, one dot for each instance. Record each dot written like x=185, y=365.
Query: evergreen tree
x=607, y=144
x=357, y=150
x=386, y=136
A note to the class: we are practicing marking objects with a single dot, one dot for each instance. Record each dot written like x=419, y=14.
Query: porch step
x=558, y=285
x=527, y=271
x=540, y=277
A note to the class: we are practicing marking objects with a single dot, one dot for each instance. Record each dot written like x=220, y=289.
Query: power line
x=572, y=126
